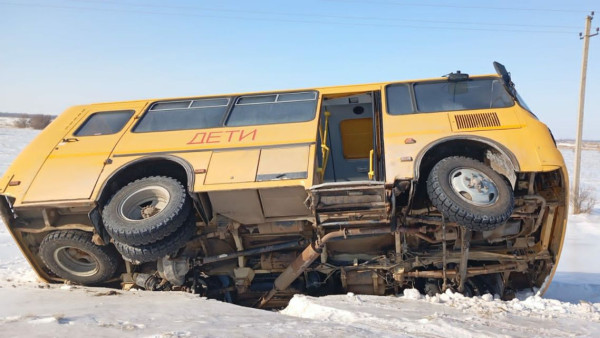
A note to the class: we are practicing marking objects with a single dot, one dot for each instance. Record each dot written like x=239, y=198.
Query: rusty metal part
x=428, y=239
x=531, y=186
x=235, y=233
x=249, y=252
x=354, y=223
x=473, y=271
x=308, y=256
x=444, y=255
x=366, y=282
x=542, y=200
x=431, y=220
x=276, y=260
x=173, y=270
x=149, y=211
x=289, y=227
x=464, y=257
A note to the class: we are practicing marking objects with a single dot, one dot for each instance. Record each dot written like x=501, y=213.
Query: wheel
x=470, y=193
x=146, y=210
x=71, y=255
x=151, y=252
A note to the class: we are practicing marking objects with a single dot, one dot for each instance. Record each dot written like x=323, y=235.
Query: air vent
x=473, y=121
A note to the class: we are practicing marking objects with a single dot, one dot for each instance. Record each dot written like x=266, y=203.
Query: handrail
x=371, y=171
x=324, y=148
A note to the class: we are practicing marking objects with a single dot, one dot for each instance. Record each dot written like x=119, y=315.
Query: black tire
x=479, y=207
x=70, y=254
x=151, y=252
x=123, y=215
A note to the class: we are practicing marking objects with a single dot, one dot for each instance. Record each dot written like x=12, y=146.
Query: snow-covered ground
x=570, y=307
x=7, y=122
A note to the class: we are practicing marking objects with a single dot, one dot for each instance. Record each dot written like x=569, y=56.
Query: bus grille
x=482, y=120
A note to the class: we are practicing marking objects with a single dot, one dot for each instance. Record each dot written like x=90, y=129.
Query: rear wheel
x=146, y=210
x=470, y=193
x=169, y=245
x=70, y=254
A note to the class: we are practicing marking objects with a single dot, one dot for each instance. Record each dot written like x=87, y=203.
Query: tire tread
x=447, y=206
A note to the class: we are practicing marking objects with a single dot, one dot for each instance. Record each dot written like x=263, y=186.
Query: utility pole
x=586, y=44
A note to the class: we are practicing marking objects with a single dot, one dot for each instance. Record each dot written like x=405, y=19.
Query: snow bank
x=450, y=314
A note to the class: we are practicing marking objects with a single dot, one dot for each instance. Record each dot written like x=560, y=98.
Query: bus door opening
x=348, y=138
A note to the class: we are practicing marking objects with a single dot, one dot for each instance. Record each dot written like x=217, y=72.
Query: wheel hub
x=473, y=186
x=76, y=261
x=149, y=211
x=144, y=203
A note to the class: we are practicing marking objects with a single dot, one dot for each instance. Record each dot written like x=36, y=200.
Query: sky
x=59, y=53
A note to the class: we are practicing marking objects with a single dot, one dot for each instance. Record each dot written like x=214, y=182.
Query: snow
x=570, y=307
x=7, y=121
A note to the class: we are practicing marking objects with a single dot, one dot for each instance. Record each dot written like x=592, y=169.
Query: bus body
x=439, y=183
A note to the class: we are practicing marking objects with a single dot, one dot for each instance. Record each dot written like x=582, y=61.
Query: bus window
x=274, y=108
x=182, y=115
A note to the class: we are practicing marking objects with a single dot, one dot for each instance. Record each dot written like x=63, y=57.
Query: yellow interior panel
x=357, y=137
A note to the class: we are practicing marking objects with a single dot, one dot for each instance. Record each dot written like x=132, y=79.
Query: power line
x=395, y=3
x=316, y=15
x=246, y=18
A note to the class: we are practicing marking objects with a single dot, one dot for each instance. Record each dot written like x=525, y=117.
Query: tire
x=151, y=252
x=146, y=210
x=70, y=254
x=483, y=205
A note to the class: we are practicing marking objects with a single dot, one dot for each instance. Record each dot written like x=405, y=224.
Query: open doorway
x=349, y=132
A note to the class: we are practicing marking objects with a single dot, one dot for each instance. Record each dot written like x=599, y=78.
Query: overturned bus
x=440, y=183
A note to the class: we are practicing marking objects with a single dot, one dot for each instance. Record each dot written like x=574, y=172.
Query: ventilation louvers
x=473, y=121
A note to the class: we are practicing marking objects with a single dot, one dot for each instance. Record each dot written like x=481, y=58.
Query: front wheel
x=470, y=193
x=147, y=210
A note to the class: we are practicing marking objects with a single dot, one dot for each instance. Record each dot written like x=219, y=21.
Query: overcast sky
x=55, y=54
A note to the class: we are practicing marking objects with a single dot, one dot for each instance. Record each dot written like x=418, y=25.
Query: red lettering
x=231, y=134
x=194, y=141
x=216, y=135
x=253, y=133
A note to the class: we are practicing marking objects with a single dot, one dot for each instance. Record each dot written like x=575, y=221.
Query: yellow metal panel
x=281, y=202
x=357, y=137
x=74, y=165
x=243, y=206
x=67, y=177
x=484, y=120
x=283, y=163
x=27, y=164
x=232, y=166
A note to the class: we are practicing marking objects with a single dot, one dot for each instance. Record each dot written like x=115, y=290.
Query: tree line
x=35, y=121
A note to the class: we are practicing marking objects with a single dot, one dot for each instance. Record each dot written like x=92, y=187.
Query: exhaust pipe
x=310, y=254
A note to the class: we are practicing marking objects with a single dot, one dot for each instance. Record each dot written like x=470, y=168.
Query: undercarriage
x=366, y=238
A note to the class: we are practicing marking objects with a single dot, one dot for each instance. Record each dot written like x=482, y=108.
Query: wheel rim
x=144, y=203
x=473, y=186
x=75, y=261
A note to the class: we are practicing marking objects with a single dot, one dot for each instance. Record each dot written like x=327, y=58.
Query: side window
x=104, y=123
x=399, y=101
x=273, y=108
x=463, y=95
x=181, y=115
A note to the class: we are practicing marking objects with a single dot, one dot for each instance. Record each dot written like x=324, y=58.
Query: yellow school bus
x=442, y=183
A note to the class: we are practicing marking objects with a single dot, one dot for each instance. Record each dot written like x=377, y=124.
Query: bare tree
x=21, y=122
x=584, y=201
x=40, y=121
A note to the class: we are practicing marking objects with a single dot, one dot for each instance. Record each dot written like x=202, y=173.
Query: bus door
x=351, y=162
x=350, y=138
